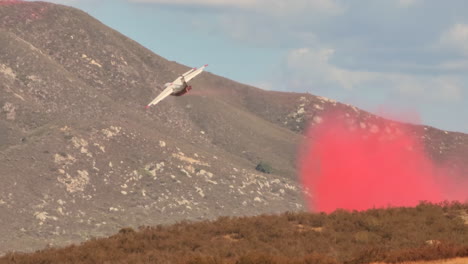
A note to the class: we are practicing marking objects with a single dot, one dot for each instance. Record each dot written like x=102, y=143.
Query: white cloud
x=236, y=3
x=407, y=3
x=456, y=37
x=453, y=65
x=273, y=7
x=261, y=22
x=448, y=89
x=444, y=88
x=60, y=1
x=313, y=68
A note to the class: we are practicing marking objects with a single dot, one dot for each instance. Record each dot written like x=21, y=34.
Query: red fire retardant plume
x=361, y=168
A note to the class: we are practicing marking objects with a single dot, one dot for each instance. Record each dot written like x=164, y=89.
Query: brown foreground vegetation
x=440, y=261
x=392, y=235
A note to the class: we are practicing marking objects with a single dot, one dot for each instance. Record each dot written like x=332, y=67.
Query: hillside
x=80, y=157
x=426, y=232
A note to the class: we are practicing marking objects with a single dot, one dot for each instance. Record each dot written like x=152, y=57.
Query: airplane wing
x=194, y=73
x=165, y=93
x=190, y=71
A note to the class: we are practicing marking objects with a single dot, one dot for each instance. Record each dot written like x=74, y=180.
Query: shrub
x=390, y=235
x=264, y=167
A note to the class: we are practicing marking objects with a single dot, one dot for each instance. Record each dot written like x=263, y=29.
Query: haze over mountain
x=80, y=157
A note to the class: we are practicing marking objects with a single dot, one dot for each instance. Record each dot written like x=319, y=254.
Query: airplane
x=178, y=87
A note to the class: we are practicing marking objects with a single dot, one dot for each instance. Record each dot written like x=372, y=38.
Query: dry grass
x=390, y=235
x=443, y=261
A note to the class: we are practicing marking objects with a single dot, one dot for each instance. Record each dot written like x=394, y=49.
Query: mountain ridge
x=80, y=157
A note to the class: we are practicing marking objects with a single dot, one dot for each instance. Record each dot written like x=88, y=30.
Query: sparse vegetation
x=393, y=235
x=264, y=167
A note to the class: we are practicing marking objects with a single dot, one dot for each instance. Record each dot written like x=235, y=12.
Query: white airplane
x=178, y=87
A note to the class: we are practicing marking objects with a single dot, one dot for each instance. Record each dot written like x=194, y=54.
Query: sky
x=404, y=59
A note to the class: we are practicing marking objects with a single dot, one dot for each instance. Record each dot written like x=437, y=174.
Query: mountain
x=80, y=157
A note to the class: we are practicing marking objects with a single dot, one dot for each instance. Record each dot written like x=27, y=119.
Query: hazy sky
x=401, y=57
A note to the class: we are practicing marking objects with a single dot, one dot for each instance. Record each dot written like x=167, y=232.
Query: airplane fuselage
x=183, y=91
x=180, y=89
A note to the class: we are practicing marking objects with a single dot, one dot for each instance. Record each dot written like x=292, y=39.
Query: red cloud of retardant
x=356, y=169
